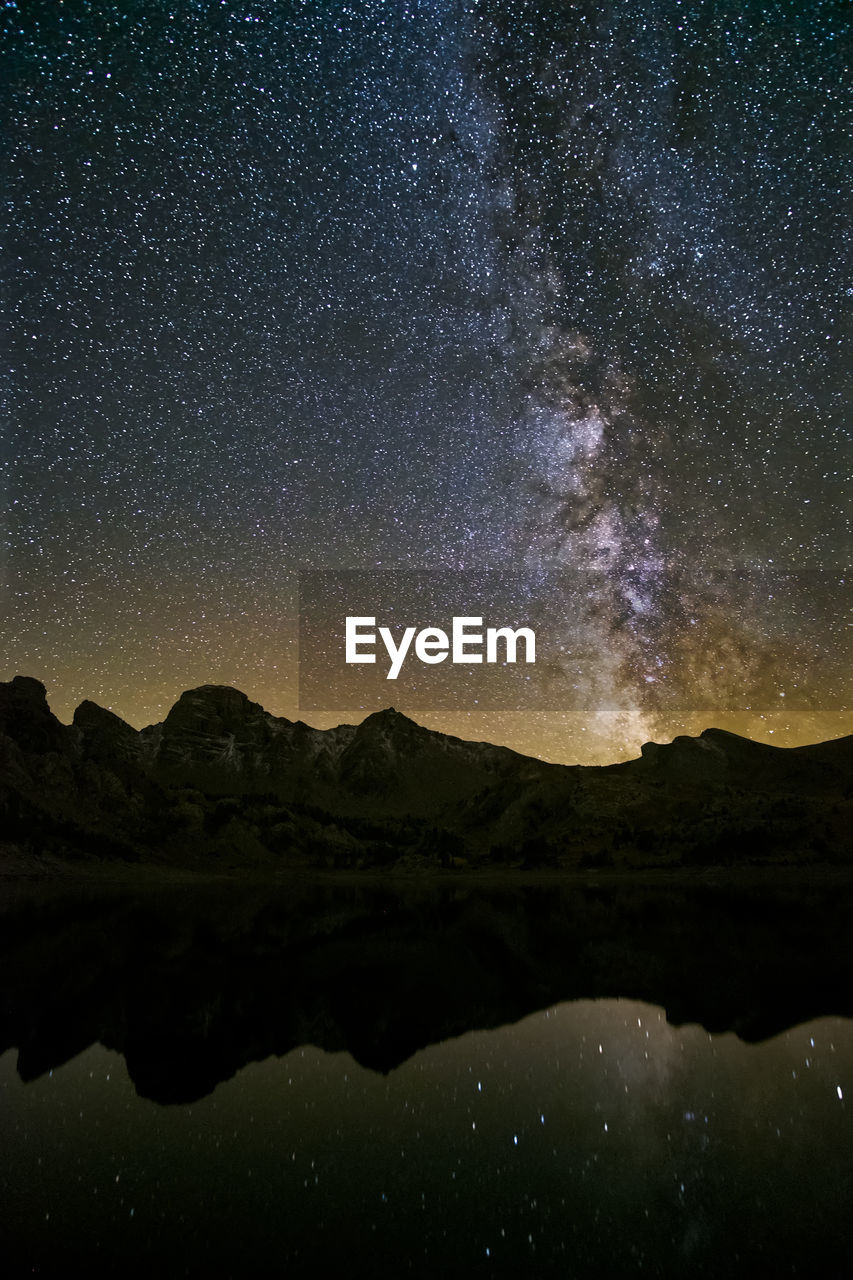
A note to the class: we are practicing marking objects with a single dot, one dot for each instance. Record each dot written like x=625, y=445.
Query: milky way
x=433, y=285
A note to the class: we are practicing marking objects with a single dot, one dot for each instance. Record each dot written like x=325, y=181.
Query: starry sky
x=440, y=285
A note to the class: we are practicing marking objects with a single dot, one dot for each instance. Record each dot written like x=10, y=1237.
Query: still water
x=589, y=1135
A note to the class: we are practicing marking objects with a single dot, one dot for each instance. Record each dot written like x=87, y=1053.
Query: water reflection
x=190, y=985
x=591, y=1136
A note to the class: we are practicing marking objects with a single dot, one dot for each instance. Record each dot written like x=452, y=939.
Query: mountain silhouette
x=222, y=783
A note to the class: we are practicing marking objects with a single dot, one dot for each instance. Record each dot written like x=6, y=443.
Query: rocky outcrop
x=26, y=719
x=103, y=736
x=718, y=758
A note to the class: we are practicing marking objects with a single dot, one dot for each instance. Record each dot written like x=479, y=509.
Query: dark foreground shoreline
x=19, y=870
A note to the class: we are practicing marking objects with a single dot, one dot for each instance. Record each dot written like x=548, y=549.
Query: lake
x=428, y=1079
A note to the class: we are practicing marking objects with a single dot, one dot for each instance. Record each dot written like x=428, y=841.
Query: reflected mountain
x=191, y=985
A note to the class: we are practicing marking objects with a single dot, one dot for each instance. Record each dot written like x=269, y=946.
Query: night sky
x=503, y=284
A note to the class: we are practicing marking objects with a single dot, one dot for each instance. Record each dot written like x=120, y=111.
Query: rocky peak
x=687, y=759
x=27, y=719
x=103, y=735
x=26, y=689
x=219, y=728
x=389, y=734
x=214, y=708
x=390, y=721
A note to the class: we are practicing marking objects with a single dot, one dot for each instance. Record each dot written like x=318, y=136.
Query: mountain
x=223, y=783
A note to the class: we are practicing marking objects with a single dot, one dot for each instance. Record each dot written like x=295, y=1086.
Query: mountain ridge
x=222, y=779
